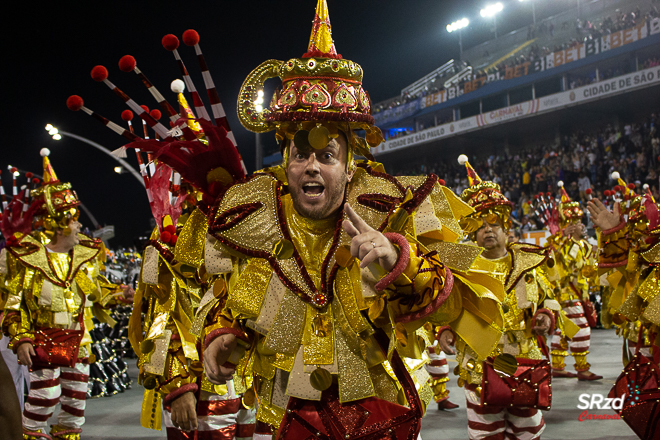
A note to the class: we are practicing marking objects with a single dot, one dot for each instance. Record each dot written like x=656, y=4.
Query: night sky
x=53, y=48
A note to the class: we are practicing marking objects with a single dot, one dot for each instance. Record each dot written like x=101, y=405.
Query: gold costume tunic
x=54, y=290
x=300, y=302
x=525, y=273
x=576, y=267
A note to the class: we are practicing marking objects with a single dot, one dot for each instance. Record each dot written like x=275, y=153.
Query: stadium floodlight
x=492, y=10
x=458, y=25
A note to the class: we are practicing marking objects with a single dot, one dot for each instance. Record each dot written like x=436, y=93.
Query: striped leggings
x=500, y=423
x=580, y=342
x=218, y=418
x=439, y=371
x=50, y=386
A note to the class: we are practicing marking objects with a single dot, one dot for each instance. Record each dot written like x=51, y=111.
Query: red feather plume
x=194, y=159
x=15, y=220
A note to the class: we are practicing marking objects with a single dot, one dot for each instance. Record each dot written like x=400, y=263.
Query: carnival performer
x=628, y=237
x=14, y=218
x=54, y=288
x=530, y=311
x=175, y=279
x=575, y=260
x=335, y=266
x=171, y=287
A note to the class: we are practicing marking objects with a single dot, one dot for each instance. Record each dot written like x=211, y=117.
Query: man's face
x=491, y=236
x=317, y=178
x=69, y=241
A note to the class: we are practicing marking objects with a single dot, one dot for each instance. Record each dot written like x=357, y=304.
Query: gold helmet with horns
x=59, y=201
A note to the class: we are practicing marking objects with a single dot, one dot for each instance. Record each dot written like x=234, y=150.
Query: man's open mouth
x=313, y=189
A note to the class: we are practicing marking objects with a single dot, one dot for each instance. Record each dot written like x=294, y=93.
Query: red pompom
x=145, y=108
x=155, y=113
x=99, y=73
x=607, y=193
x=190, y=37
x=127, y=63
x=29, y=175
x=588, y=191
x=173, y=240
x=127, y=115
x=529, y=202
x=631, y=185
x=170, y=42
x=171, y=229
x=165, y=237
x=13, y=169
x=36, y=180
x=540, y=194
x=548, y=194
x=441, y=182
x=74, y=102
x=617, y=188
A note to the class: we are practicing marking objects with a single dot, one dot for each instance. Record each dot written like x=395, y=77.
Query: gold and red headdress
x=321, y=94
x=59, y=202
x=486, y=198
x=639, y=211
x=569, y=211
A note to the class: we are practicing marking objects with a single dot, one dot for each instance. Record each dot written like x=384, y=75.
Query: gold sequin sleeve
x=17, y=322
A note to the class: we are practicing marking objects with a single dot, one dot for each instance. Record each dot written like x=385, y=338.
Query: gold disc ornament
x=319, y=137
x=505, y=364
x=321, y=379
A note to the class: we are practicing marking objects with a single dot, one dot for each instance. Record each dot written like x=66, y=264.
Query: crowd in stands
x=581, y=160
x=585, y=30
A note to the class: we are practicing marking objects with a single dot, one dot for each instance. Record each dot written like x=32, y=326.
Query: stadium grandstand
x=572, y=97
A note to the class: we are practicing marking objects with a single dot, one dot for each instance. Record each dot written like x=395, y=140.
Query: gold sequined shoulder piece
x=652, y=255
x=525, y=257
x=33, y=254
x=250, y=220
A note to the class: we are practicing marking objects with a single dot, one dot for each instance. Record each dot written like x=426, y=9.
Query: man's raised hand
x=368, y=244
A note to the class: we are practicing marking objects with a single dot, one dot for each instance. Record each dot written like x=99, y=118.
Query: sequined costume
x=576, y=268
x=169, y=358
x=336, y=350
x=627, y=266
x=525, y=273
x=52, y=297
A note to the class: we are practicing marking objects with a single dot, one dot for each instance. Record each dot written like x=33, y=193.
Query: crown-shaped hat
x=321, y=94
x=568, y=209
x=638, y=210
x=485, y=197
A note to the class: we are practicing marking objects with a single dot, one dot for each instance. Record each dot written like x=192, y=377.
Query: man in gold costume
x=525, y=271
x=332, y=266
x=574, y=256
x=54, y=287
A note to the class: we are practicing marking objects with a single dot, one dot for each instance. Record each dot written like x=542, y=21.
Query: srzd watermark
x=591, y=401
